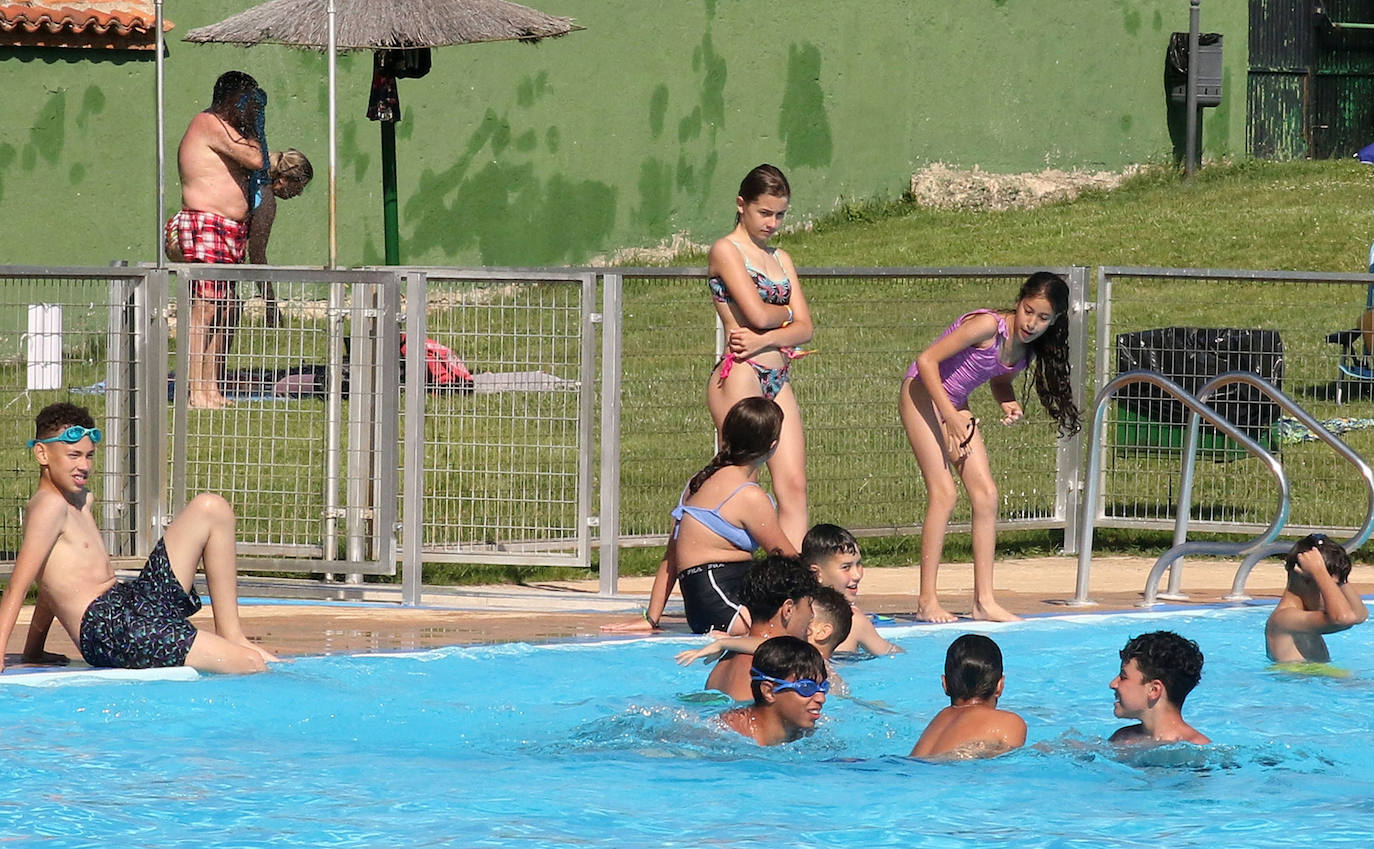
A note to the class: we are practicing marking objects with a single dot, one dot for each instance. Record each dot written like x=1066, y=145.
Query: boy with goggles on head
x=789, y=685
x=137, y=624
x=1318, y=600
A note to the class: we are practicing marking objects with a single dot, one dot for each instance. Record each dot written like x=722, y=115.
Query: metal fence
x=79, y=334
x=870, y=324
x=1194, y=323
x=343, y=456
x=503, y=459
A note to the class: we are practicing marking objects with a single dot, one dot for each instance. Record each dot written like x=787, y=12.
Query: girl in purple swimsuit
x=760, y=302
x=984, y=346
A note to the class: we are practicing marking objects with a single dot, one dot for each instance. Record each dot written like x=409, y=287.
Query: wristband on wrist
x=789, y=319
x=652, y=623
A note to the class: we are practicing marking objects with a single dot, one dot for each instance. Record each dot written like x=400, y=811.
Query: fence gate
x=500, y=380
x=305, y=447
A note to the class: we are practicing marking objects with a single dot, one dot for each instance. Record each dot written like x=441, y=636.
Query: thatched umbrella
x=381, y=25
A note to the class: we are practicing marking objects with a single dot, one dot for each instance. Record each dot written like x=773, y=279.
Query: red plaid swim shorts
x=208, y=237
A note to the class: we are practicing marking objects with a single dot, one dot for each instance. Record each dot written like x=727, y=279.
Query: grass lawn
x=1301, y=216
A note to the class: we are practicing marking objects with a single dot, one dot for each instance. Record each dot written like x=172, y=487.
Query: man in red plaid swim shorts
x=221, y=150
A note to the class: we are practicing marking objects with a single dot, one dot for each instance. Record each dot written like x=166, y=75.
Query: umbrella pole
x=160, y=135
x=390, y=219
x=333, y=141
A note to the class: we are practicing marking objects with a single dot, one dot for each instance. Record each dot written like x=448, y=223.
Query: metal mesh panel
x=294, y=451
x=870, y=325
x=1279, y=318
x=505, y=456
x=69, y=335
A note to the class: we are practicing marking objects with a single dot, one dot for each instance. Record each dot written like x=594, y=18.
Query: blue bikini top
x=716, y=523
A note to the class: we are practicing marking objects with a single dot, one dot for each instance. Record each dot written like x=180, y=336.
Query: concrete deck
x=559, y=610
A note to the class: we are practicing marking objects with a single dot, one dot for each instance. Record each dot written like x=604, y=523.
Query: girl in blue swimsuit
x=722, y=518
x=760, y=303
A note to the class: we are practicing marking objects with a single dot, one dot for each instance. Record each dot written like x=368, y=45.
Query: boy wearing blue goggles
x=789, y=683
x=135, y=624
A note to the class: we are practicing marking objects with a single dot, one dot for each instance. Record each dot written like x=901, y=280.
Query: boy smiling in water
x=789, y=684
x=1158, y=671
x=832, y=553
x=1317, y=601
x=136, y=624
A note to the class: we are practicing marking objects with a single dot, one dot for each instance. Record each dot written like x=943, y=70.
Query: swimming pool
x=594, y=744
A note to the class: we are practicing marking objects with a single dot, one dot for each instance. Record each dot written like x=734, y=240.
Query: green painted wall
x=621, y=135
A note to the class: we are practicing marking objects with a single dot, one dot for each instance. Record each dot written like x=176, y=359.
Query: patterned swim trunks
x=141, y=624
x=207, y=237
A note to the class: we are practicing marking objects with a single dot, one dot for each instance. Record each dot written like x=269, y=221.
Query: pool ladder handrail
x=1199, y=410
x=1288, y=405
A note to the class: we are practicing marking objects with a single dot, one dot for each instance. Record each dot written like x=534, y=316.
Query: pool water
x=609, y=744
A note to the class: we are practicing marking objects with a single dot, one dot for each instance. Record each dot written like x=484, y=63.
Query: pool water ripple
x=602, y=744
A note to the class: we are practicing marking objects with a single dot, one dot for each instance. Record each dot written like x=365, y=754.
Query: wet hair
x=239, y=101
x=1165, y=656
x=765, y=179
x=1049, y=352
x=786, y=657
x=293, y=166
x=831, y=605
x=973, y=666
x=1335, y=555
x=824, y=540
x=748, y=433
x=771, y=582
x=55, y=418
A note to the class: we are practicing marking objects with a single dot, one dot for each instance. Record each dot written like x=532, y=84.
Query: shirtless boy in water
x=1158, y=671
x=134, y=625
x=1317, y=601
x=788, y=683
x=972, y=726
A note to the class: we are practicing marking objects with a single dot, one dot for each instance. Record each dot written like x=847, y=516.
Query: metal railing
x=1198, y=410
x=518, y=466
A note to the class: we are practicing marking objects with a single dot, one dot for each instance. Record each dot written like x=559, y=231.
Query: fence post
x=586, y=422
x=360, y=363
x=1069, y=461
x=151, y=344
x=611, y=334
x=386, y=488
x=413, y=480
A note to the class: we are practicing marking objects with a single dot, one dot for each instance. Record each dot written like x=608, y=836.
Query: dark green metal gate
x=1311, y=82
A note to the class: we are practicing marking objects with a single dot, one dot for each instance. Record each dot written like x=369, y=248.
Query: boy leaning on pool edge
x=1318, y=600
x=137, y=624
x=1158, y=671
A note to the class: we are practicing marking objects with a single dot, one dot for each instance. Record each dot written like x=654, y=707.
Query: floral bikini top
x=775, y=292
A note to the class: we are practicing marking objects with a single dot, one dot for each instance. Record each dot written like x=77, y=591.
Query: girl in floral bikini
x=984, y=346
x=760, y=302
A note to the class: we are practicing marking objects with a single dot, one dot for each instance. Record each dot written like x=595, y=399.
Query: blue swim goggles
x=804, y=687
x=71, y=436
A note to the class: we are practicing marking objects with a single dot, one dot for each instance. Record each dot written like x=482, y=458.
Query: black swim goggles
x=804, y=687
x=71, y=436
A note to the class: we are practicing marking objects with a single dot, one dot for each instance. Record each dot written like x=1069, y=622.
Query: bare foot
x=933, y=612
x=993, y=612
x=206, y=401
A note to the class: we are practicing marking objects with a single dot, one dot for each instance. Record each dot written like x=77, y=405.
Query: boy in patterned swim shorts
x=133, y=625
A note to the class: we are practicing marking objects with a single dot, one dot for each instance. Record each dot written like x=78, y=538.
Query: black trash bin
x=1208, y=68
x=1190, y=356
